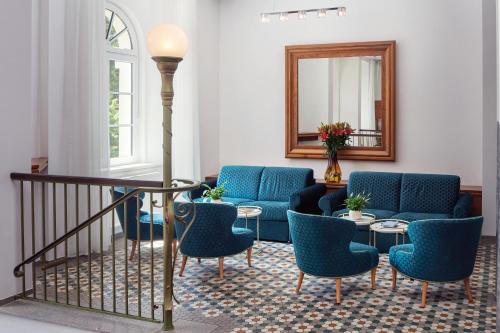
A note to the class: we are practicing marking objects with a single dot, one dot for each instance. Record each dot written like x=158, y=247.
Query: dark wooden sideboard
x=475, y=191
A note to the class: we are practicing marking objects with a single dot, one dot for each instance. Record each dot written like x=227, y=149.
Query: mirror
x=341, y=82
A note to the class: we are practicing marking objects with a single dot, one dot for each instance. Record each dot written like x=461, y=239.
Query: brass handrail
x=190, y=185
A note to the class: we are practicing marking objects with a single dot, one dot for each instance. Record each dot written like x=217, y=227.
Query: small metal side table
x=366, y=219
x=377, y=226
x=251, y=212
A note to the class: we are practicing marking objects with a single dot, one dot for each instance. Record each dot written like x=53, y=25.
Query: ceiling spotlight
x=342, y=11
x=283, y=16
x=265, y=18
x=302, y=14
x=321, y=12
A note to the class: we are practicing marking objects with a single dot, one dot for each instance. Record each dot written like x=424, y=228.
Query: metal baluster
x=152, y=267
x=44, y=242
x=125, y=223
x=89, y=249
x=23, y=254
x=33, y=268
x=77, y=213
x=54, y=217
x=138, y=226
x=66, y=276
x=113, y=258
x=101, y=248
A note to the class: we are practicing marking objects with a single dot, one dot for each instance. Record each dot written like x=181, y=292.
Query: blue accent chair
x=144, y=220
x=443, y=250
x=404, y=196
x=212, y=235
x=323, y=247
x=274, y=189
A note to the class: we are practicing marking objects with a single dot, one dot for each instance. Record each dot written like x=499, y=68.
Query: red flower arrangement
x=335, y=136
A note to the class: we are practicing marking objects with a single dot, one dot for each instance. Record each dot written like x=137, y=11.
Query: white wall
x=438, y=81
x=16, y=128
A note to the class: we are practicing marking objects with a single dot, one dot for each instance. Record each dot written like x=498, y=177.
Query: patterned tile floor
x=262, y=298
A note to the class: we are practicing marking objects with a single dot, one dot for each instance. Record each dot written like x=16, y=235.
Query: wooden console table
x=475, y=191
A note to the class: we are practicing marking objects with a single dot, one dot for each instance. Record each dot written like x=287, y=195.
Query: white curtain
x=76, y=104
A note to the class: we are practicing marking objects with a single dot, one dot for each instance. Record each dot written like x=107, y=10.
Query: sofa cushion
x=234, y=201
x=383, y=187
x=428, y=193
x=379, y=213
x=413, y=216
x=279, y=183
x=240, y=181
x=271, y=210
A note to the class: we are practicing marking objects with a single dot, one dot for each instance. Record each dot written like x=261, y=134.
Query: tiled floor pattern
x=262, y=298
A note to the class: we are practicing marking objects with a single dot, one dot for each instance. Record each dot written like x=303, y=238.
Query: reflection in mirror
x=341, y=89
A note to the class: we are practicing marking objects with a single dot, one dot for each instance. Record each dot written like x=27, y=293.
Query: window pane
x=120, y=76
x=118, y=35
x=114, y=106
x=123, y=41
x=113, y=142
x=125, y=141
x=117, y=26
x=107, y=16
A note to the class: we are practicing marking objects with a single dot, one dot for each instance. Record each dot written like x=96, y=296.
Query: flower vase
x=333, y=173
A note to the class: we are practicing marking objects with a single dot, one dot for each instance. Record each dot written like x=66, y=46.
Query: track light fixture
x=302, y=14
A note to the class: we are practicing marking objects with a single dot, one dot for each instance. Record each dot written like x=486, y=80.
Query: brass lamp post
x=167, y=45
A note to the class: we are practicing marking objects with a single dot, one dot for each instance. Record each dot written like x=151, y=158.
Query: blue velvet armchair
x=443, y=250
x=323, y=247
x=131, y=232
x=212, y=235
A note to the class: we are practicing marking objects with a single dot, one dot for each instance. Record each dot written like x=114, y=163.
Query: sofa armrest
x=463, y=206
x=333, y=201
x=199, y=191
x=306, y=200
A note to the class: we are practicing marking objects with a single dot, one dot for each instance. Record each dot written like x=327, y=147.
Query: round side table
x=377, y=226
x=251, y=212
x=366, y=219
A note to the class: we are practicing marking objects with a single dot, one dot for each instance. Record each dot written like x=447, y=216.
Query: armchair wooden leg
x=394, y=277
x=299, y=283
x=199, y=260
x=183, y=265
x=221, y=267
x=174, y=252
x=468, y=290
x=249, y=257
x=373, y=278
x=132, y=253
x=338, y=289
x=425, y=285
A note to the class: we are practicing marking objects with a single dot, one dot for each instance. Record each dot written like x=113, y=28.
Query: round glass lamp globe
x=167, y=40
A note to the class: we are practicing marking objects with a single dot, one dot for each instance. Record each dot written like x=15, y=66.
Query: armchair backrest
x=429, y=193
x=240, y=181
x=279, y=183
x=446, y=248
x=384, y=188
x=117, y=194
x=210, y=232
x=321, y=243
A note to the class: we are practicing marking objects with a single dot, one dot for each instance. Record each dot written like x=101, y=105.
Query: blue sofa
x=275, y=189
x=405, y=196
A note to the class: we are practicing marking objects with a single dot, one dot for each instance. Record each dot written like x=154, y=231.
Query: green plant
x=215, y=193
x=357, y=202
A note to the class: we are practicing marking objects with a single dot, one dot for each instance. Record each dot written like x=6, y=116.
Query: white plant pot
x=218, y=201
x=355, y=214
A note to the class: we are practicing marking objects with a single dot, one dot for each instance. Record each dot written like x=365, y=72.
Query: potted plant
x=356, y=203
x=334, y=136
x=213, y=195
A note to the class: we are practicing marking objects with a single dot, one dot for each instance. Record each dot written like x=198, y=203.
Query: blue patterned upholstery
x=463, y=207
x=442, y=250
x=379, y=213
x=241, y=181
x=144, y=217
x=212, y=234
x=271, y=210
x=323, y=246
x=412, y=216
x=275, y=189
x=383, y=187
x=333, y=201
x=429, y=193
x=278, y=184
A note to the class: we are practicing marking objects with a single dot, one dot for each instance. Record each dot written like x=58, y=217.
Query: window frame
x=130, y=56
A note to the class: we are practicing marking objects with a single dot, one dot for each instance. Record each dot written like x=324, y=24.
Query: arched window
x=121, y=84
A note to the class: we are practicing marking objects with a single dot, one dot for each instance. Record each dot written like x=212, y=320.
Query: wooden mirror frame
x=386, y=50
